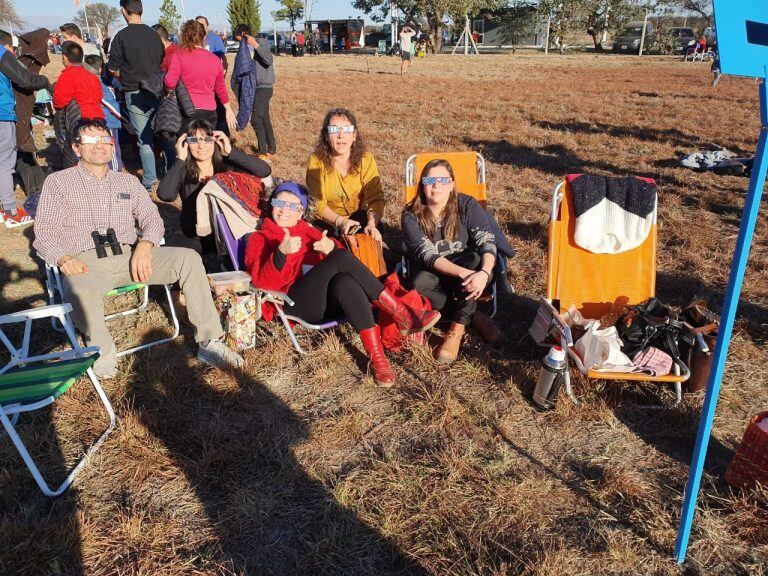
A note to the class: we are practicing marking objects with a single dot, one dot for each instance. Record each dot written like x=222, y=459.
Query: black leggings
x=338, y=285
x=446, y=293
x=262, y=123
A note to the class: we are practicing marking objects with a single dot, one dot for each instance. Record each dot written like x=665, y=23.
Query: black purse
x=651, y=324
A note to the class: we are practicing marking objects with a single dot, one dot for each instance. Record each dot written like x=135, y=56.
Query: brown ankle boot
x=486, y=328
x=448, y=351
x=382, y=371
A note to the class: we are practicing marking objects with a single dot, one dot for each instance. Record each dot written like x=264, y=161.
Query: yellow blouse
x=345, y=194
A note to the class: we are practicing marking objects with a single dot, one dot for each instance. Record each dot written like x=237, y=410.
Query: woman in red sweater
x=278, y=255
x=202, y=74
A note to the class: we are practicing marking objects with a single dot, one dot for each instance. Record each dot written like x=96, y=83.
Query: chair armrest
x=274, y=296
x=36, y=313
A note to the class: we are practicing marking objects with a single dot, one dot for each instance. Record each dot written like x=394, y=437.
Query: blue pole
x=735, y=281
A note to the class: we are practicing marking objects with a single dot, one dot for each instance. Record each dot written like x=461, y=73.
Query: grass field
x=304, y=466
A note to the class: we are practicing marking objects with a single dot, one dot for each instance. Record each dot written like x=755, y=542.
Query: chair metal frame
x=479, y=194
x=558, y=323
x=9, y=413
x=53, y=285
x=232, y=246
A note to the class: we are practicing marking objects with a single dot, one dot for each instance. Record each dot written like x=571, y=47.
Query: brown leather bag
x=368, y=251
x=698, y=320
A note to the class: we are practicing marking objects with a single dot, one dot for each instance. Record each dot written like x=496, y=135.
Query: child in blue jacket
x=111, y=110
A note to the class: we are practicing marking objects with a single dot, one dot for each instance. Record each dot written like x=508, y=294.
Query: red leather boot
x=408, y=321
x=382, y=371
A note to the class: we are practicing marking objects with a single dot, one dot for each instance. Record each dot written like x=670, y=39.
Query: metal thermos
x=551, y=377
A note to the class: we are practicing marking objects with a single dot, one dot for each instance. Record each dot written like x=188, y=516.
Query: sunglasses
x=96, y=140
x=198, y=139
x=432, y=180
x=333, y=129
x=277, y=203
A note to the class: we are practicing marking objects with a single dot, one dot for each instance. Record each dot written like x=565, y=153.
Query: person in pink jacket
x=202, y=75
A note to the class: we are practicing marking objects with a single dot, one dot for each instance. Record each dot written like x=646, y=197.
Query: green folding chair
x=29, y=383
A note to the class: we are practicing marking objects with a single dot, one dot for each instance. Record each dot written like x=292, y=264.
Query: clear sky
x=52, y=12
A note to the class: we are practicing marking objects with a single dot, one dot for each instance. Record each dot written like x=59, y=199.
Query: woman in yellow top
x=343, y=179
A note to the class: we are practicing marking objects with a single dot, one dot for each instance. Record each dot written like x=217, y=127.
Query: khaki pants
x=86, y=291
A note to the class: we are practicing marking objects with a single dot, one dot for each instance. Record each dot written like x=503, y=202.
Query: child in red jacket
x=323, y=279
x=76, y=83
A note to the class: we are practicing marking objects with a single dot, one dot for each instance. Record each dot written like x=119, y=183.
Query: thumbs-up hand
x=290, y=244
x=325, y=244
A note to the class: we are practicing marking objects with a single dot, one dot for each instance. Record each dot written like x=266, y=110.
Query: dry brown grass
x=303, y=466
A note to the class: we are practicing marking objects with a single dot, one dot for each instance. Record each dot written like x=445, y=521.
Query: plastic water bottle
x=551, y=377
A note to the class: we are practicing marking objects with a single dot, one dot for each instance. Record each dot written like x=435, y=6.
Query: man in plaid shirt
x=89, y=198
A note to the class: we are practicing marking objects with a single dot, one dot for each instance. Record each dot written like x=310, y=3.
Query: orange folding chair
x=469, y=172
x=592, y=283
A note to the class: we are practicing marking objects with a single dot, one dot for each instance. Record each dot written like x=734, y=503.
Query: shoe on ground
x=216, y=353
x=106, y=366
x=17, y=218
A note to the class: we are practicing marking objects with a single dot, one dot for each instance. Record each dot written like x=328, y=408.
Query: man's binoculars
x=101, y=241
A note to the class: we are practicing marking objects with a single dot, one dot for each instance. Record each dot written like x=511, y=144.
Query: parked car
x=682, y=37
x=628, y=41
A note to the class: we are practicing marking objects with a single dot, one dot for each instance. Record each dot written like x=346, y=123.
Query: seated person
x=452, y=252
x=343, y=179
x=89, y=199
x=202, y=152
x=338, y=283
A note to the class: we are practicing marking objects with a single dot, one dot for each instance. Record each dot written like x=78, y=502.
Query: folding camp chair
x=469, y=172
x=32, y=382
x=55, y=290
x=592, y=283
x=234, y=248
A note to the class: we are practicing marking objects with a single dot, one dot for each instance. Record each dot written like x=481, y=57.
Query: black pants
x=446, y=293
x=31, y=173
x=261, y=122
x=340, y=284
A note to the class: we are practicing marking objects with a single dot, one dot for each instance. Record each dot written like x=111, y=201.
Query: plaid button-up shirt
x=74, y=203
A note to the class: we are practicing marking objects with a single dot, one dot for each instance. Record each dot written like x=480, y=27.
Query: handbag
x=650, y=324
x=368, y=251
x=698, y=343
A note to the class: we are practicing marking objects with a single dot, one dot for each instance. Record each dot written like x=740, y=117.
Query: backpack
x=391, y=338
x=300, y=39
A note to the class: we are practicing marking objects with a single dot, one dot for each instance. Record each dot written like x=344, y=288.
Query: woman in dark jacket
x=201, y=153
x=452, y=250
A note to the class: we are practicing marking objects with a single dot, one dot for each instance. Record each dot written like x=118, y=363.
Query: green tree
x=169, y=16
x=100, y=16
x=701, y=7
x=602, y=16
x=291, y=11
x=8, y=14
x=517, y=21
x=245, y=12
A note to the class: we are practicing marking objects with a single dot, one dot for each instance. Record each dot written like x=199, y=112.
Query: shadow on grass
x=235, y=446
x=553, y=159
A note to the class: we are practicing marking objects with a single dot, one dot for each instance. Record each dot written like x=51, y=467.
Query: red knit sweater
x=76, y=83
x=261, y=248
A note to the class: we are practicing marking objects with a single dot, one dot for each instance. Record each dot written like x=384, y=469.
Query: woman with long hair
x=203, y=76
x=337, y=283
x=452, y=250
x=202, y=152
x=342, y=177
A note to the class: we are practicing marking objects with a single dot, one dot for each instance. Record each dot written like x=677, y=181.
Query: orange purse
x=368, y=251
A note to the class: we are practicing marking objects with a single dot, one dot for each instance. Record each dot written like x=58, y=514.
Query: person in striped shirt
x=89, y=199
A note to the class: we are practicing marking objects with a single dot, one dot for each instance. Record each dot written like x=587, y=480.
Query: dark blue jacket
x=14, y=72
x=244, y=83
